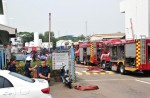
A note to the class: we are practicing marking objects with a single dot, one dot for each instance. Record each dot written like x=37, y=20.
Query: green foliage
x=74, y=39
x=26, y=36
x=81, y=37
x=20, y=65
x=45, y=37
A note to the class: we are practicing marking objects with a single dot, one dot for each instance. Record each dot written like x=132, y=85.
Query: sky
x=68, y=17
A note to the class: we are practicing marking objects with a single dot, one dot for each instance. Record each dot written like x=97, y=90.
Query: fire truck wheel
x=84, y=62
x=103, y=65
x=146, y=72
x=122, y=70
x=77, y=60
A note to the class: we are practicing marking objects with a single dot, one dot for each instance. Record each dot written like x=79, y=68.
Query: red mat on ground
x=95, y=69
x=83, y=88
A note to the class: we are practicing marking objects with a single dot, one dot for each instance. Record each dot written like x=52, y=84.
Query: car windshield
x=22, y=77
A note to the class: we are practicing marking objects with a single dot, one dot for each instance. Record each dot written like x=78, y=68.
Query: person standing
x=34, y=56
x=43, y=57
x=28, y=67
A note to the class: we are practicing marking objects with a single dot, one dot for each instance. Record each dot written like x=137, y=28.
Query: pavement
x=111, y=85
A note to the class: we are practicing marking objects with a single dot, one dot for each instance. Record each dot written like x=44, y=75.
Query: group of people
x=37, y=55
x=43, y=71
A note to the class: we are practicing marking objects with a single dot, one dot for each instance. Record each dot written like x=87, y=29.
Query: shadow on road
x=137, y=74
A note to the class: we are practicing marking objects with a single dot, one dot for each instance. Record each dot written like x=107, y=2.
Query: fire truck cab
x=106, y=56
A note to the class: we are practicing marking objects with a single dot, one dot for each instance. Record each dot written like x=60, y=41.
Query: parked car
x=14, y=85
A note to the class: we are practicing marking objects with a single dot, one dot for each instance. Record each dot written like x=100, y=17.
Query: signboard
x=60, y=59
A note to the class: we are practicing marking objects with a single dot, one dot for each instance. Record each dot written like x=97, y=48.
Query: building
x=6, y=32
x=62, y=44
x=137, y=18
x=46, y=45
x=99, y=37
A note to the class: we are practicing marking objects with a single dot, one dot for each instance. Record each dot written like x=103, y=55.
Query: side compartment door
x=81, y=54
x=148, y=53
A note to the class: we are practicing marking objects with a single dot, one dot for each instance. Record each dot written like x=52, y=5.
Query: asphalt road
x=111, y=85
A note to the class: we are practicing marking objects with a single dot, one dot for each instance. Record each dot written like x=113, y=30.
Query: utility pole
x=86, y=28
x=49, y=30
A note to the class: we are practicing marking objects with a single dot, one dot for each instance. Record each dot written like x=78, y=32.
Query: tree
x=26, y=36
x=41, y=36
x=45, y=37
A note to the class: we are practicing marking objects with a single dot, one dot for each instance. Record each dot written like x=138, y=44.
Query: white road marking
x=87, y=73
x=84, y=71
x=79, y=73
x=108, y=71
x=142, y=81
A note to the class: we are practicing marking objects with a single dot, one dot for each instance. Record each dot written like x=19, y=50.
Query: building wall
x=36, y=39
x=62, y=43
x=137, y=12
x=3, y=18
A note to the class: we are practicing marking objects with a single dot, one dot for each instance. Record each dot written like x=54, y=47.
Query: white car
x=13, y=85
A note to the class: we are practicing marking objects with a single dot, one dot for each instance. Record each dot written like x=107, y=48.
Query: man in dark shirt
x=44, y=71
x=12, y=65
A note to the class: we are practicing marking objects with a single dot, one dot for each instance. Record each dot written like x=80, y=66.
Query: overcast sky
x=68, y=16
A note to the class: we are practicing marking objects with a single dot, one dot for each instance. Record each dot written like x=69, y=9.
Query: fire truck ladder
x=143, y=49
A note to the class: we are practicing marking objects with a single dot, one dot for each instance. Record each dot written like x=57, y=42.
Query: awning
x=12, y=31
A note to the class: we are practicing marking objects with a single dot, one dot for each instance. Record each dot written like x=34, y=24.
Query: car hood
x=41, y=83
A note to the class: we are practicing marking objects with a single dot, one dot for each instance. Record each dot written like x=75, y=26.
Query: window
x=1, y=82
x=1, y=8
x=5, y=83
x=22, y=77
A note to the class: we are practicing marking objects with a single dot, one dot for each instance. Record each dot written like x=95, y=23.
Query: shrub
x=20, y=65
x=54, y=73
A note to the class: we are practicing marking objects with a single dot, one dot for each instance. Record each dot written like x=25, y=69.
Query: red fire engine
x=88, y=52
x=130, y=55
x=105, y=57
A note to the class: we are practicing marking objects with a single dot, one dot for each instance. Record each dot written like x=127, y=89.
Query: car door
x=6, y=88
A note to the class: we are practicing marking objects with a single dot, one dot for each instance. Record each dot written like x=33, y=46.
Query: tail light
x=46, y=90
